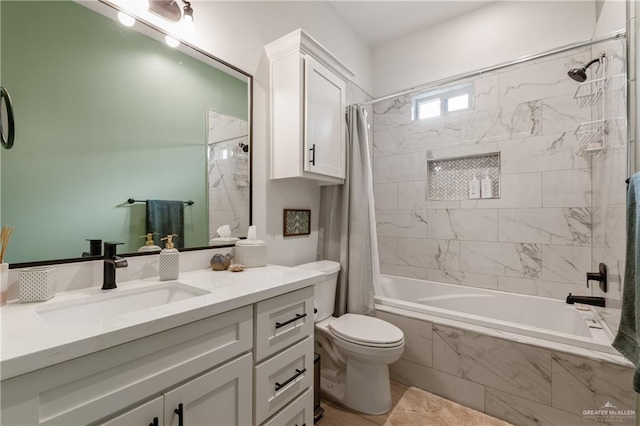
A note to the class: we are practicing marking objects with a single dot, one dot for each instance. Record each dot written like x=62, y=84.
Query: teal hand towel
x=165, y=218
x=627, y=341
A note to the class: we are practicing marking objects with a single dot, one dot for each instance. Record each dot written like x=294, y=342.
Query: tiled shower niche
x=448, y=179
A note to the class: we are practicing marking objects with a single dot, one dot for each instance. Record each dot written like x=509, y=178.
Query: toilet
x=356, y=350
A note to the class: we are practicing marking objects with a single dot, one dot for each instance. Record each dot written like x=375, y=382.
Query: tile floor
x=335, y=415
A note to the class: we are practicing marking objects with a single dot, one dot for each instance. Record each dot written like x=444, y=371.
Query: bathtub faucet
x=600, y=276
x=586, y=300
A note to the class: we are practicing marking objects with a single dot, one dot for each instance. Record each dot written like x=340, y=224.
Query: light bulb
x=126, y=20
x=171, y=41
x=187, y=12
x=187, y=26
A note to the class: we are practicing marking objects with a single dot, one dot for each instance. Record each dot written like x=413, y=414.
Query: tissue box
x=37, y=284
x=251, y=253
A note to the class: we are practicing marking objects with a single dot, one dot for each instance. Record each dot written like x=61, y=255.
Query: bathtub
x=538, y=317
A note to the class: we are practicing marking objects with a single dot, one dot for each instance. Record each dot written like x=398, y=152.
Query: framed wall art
x=297, y=222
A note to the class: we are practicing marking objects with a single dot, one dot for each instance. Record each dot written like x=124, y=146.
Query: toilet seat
x=366, y=331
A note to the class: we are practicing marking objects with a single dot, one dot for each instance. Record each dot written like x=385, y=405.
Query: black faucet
x=111, y=263
x=95, y=248
x=587, y=300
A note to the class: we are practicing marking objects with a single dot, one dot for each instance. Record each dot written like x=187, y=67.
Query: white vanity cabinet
x=221, y=396
x=308, y=106
x=207, y=372
x=88, y=389
x=283, y=352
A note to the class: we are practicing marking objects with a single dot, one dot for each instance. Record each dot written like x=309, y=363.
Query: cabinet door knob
x=154, y=422
x=180, y=412
x=313, y=154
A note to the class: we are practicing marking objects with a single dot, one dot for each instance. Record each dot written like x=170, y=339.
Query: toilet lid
x=365, y=329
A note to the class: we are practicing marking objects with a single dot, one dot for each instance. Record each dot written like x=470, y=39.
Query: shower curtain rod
x=613, y=36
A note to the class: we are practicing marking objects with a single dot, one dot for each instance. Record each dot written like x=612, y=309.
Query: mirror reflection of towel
x=165, y=218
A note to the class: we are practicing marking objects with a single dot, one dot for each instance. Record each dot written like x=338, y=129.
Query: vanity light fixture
x=171, y=41
x=187, y=12
x=172, y=11
x=126, y=20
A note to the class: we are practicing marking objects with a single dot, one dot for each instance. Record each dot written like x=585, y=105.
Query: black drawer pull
x=282, y=324
x=295, y=376
x=155, y=422
x=303, y=424
x=180, y=412
x=313, y=155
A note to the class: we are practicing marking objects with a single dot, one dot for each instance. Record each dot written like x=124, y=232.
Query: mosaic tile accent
x=449, y=179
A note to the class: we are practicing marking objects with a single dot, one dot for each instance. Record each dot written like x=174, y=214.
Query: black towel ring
x=8, y=129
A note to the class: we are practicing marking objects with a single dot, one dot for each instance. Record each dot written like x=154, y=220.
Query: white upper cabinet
x=308, y=127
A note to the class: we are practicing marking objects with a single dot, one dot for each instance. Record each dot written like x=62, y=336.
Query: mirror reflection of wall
x=228, y=145
x=106, y=114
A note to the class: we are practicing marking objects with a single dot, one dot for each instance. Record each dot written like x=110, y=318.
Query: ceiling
x=378, y=22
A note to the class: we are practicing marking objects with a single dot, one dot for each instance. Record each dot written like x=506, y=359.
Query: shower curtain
x=347, y=231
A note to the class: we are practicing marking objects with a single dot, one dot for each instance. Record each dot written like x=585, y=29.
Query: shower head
x=580, y=74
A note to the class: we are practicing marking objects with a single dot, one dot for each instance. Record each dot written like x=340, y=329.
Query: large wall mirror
x=106, y=113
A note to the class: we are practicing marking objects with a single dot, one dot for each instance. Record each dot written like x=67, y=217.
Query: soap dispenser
x=150, y=244
x=169, y=260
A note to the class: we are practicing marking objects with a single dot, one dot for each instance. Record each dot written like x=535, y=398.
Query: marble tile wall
x=228, y=179
x=517, y=382
x=538, y=237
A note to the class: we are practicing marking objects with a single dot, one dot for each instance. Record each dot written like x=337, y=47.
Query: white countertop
x=28, y=343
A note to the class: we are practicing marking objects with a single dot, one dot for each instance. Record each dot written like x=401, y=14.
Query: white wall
x=237, y=32
x=610, y=17
x=497, y=33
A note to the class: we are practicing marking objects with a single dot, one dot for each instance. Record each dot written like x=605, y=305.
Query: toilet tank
x=324, y=293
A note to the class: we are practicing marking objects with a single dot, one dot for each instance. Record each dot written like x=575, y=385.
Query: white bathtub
x=533, y=316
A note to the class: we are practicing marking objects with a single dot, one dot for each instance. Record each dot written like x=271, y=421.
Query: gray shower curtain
x=347, y=231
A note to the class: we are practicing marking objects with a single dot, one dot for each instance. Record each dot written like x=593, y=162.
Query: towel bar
x=131, y=201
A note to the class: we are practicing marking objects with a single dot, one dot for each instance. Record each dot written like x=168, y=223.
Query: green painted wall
x=103, y=114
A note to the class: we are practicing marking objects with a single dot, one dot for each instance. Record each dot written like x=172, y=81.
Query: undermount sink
x=108, y=305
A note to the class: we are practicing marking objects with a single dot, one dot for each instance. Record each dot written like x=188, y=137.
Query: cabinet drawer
x=89, y=388
x=298, y=413
x=282, y=378
x=283, y=321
